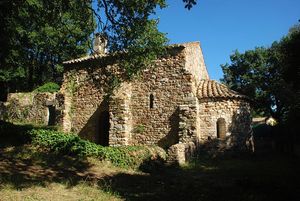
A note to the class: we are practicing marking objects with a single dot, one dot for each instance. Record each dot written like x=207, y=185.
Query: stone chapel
x=172, y=103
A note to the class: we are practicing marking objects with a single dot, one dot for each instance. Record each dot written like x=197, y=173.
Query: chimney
x=100, y=44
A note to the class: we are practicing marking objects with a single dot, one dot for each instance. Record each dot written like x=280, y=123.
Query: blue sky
x=223, y=26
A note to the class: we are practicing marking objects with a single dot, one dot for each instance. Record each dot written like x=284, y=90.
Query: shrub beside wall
x=49, y=87
x=70, y=144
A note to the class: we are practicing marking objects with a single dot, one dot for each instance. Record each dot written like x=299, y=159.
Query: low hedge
x=70, y=144
x=48, y=87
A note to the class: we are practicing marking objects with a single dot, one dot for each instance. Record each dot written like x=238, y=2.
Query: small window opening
x=151, y=101
x=221, y=128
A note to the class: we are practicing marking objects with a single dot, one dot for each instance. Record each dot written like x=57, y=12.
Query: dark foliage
x=36, y=36
x=270, y=76
x=189, y=3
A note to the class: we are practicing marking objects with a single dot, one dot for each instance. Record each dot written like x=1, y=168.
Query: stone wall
x=159, y=106
x=181, y=153
x=120, y=116
x=195, y=60
x=198, y=128
x=236, y=114
x=169, y=82
x=86, y=87
x=33, y=108
x=132, y=121
x=189, y=130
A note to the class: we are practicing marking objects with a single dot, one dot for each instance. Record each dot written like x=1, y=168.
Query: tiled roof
x=86, y=58
x=213, y=89
x=98, y=56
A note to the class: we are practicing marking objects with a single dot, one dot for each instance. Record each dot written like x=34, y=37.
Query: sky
x=223, y=26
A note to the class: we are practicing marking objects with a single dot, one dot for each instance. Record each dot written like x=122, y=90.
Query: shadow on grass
x=252, y=178
x=226, y=179
x=23, y=166
x=20, y=171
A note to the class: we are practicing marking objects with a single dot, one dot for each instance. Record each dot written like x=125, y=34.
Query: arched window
x=151, y=101
x=221, y=128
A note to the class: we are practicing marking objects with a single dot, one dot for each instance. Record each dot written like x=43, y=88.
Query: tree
x=128, y=26
x=270, y=76
x=290, y=47
x=189, y=3
x=129, y=29
x=37, y=36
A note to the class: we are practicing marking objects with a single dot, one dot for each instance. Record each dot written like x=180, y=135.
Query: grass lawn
x=30, y=174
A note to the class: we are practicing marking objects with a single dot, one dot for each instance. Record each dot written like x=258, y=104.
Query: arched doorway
x=51, y=115
x=103, y=128
x=221, y=128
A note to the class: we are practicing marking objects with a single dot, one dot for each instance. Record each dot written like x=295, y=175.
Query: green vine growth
x=140, y=128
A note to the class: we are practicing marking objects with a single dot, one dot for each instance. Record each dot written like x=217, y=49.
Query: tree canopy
x=270, y=76
x=128, y=27
x=37, y=35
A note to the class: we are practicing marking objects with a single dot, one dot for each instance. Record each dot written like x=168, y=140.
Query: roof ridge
x=99, y=55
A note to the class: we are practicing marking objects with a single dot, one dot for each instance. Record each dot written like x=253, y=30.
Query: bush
x=70, y=144
x=48, y=87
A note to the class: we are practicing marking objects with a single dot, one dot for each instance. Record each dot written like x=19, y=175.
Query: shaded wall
x=168, y=82
x=33, y=108
x=236, y=114
x=85, y=88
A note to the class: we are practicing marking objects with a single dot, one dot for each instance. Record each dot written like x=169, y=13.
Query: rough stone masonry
x=172, y=104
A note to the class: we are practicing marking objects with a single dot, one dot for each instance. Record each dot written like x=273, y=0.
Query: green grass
x=34, y=172
x=57, y=192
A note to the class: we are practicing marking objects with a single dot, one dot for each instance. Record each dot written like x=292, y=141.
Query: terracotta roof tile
x=213, y=89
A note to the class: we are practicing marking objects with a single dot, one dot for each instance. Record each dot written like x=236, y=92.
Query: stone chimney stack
x=100, y=43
